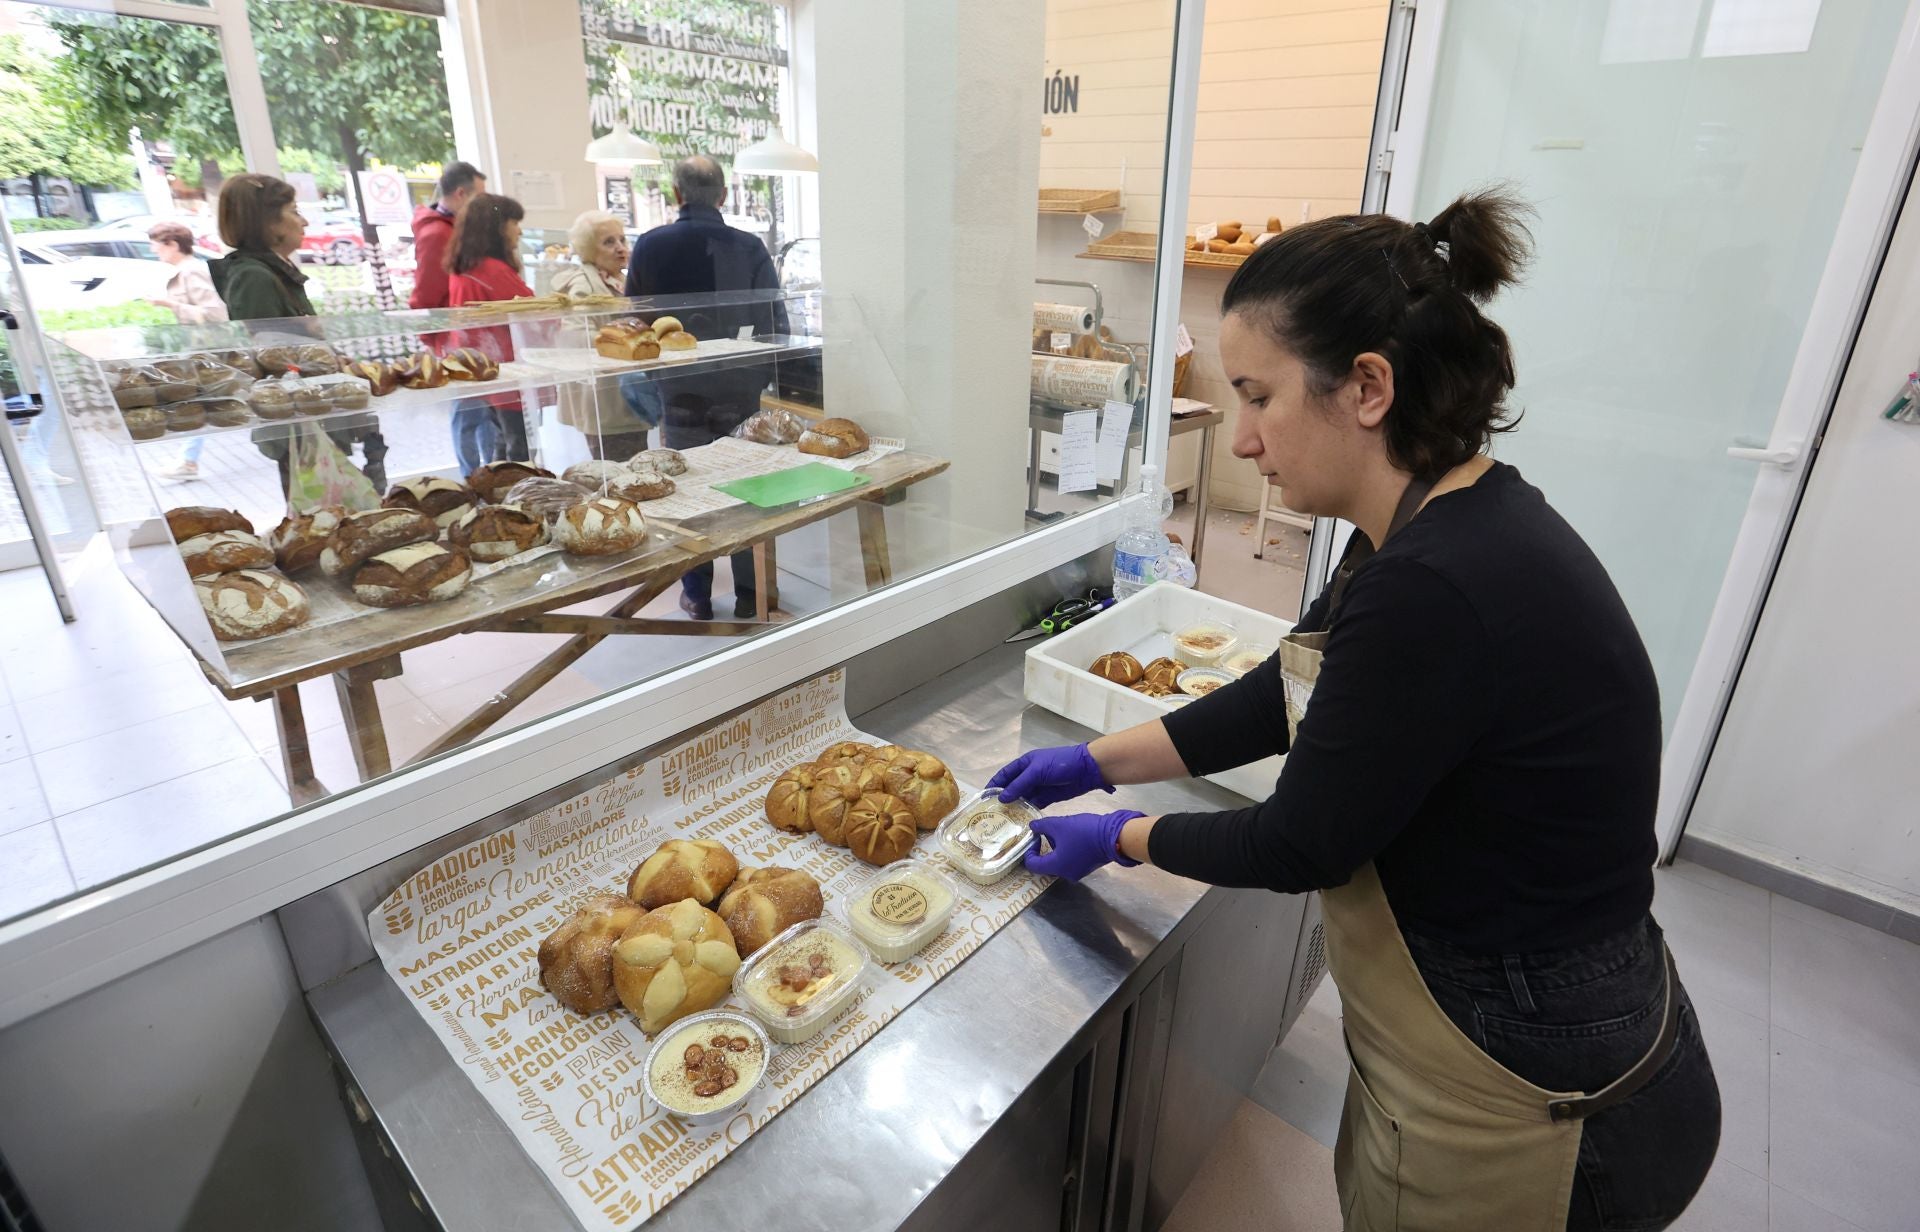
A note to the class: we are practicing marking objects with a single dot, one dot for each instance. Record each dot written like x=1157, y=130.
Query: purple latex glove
x=1081, y=842
x=1045, y=777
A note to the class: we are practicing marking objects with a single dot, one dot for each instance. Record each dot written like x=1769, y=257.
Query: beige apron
x=1435, y=1135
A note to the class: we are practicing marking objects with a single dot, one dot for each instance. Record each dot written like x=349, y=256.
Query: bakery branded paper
x=460, y=938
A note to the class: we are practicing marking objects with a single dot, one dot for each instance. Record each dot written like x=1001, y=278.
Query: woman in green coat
x=260, y=221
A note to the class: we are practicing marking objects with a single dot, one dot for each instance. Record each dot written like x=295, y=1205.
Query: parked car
x=333, y=239
x=206, y=237
x=57, y=279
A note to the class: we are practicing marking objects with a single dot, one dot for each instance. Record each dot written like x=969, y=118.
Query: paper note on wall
x=1077, y=433
x=1110, y=452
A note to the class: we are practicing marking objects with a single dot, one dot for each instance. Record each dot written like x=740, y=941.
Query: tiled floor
x=1813, y=1024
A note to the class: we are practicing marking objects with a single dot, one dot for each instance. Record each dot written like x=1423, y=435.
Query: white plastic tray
x=1057, y=675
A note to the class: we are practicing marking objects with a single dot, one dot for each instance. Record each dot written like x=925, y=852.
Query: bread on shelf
x=145, y=423
x=443, y=500
x=678, y=342
x=492, y=479
x=626, y=341
x=763, y=902
x=380, y=376
x=250, y=603
x=576, y=959
x=836, y=789
x=834, y=438
x=664, y=461
x=224, y=551
x=362, y=535
x=639, y=486
x=924, y=784
x=423, y=371
x=601, y=526
x=697, y=868
x=594, y=474
x=414, y=574
x=301, y=537
x=470, y=364
x=545, y=497
x=187, y=521
x=490, y=533
x=881, y=828
x=674, y=961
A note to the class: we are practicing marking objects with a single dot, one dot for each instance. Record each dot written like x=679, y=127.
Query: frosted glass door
x=1688, y=159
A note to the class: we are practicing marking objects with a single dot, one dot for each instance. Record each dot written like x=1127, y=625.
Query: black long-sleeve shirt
x=1485, y=729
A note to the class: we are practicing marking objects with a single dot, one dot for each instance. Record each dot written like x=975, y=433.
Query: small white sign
x=1077, y=433
x=1264, y=236
x=385, y=192
x=745, y=333
x=1182, y=340
x=1110, y=452
x=1205, y=231
x=538, y=190
x=1092, y=226
x=1062, y=340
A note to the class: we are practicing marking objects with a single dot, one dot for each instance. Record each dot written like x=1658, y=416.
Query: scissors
x=1068, y=613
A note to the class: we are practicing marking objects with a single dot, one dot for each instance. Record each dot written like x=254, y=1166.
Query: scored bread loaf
x=595, y=474
x=301, y=537
x=492, y=479
x=923, y=782
x=250, y=603
x=765, y=901
x=638, y=486
x=470, y=364
x=834, y=438
x=223, y=551
x=788, y=800
x=364, y=534
x=497, y=532
x=881, y=828
x=576, y=959
x=443, y=500
x=836, y=789
x=410, y=575
x=189, y=521
x=545, y=497
x=1118, y=666
x=674, y=961
x=379, y=376
x=661, y=461
x=600, y=527
x=696, y=868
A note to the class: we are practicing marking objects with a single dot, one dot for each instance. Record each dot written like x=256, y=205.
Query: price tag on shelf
x=1116, y=420
x=1182, y=340
x=745, y=334
x=1076, y=466
x=1264, y=236
x=1205, y=231
x=1092, y=226
x=1062, y=340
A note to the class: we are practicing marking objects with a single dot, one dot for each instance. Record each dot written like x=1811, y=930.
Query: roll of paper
x=1082, y=382
x=1069, y=318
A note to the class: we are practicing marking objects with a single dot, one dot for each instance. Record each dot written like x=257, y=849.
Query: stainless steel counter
x=867, y=1146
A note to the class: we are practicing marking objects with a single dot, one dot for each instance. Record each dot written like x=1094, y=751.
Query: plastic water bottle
x=1141, y=545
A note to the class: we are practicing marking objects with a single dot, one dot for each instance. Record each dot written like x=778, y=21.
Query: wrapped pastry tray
x=1142, y=625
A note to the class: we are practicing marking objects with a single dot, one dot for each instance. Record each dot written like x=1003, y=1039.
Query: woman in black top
x=1473, y=784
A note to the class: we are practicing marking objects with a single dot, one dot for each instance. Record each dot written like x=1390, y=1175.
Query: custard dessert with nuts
x=707, y=1064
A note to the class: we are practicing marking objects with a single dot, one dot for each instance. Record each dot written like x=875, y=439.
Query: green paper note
x=796, y=483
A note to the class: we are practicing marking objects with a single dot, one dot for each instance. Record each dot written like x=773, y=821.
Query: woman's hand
x=1081, y=842
x=1045, y=777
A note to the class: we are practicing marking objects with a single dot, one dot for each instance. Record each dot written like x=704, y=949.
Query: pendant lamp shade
x=775, y=155
x=620, y=148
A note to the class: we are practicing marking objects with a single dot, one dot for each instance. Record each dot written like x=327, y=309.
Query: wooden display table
x=358, y=652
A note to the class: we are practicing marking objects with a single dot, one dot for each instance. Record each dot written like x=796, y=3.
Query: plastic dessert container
x=1204, y=643
x=675, y=1074
x=896, y=910
x=1200, y=681
x=987, y=836
x=1243, y=659
x=802, y=979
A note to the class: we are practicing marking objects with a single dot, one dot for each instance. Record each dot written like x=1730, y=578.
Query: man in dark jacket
x=694, y=255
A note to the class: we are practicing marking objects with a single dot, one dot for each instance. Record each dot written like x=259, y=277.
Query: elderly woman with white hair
x=614, y=415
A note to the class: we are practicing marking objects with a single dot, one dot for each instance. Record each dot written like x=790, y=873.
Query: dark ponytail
x=1331, y=290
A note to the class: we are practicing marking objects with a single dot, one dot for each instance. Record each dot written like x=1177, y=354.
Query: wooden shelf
x=1144, y=246
x=1079, y=200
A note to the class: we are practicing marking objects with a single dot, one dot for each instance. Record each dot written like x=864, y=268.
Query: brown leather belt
x=1624, y=1087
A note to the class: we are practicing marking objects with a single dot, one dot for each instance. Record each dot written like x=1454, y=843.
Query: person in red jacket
x=433, y=231
x=474, y=431
x=483, y=263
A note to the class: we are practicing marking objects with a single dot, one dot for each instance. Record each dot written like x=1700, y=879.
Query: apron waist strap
x=1624, y=1087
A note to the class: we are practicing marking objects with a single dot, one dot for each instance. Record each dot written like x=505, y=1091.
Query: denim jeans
x=696, y=420
x=476, y=434
x=1575, y=1020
